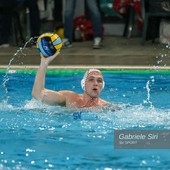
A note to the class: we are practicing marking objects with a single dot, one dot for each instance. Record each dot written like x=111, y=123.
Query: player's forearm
x=39, y=83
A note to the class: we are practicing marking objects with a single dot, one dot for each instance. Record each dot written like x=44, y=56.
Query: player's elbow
x=37, y=95
x=34, y=94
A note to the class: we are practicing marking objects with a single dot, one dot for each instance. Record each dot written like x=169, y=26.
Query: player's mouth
x=95, y=89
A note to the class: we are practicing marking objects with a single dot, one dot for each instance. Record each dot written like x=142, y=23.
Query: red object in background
x=84, y=25
x=121, y=6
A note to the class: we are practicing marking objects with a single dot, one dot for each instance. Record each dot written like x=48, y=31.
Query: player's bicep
x=53, y=98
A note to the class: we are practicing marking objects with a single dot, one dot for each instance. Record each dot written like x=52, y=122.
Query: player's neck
x=89, y=101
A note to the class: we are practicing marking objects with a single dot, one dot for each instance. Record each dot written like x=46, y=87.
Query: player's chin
x=95, y=95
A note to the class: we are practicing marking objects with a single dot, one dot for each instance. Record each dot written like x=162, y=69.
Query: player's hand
x=47, y=60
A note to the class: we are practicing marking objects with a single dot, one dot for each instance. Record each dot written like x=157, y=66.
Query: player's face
x=94, y=84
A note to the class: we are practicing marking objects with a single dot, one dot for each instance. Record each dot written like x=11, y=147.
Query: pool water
x=37, y=136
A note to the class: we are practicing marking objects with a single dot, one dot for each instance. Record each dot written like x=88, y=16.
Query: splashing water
x=19, y=52
x=161, y=57
x=148, y=101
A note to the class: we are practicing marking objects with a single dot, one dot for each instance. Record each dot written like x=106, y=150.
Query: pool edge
x=82, y=67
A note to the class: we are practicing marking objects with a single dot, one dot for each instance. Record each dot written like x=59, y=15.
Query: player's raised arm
x=39, y=91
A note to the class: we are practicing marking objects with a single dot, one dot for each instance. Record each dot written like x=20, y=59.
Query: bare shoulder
x=68, y=93
x=73, y=99
x=104, y=102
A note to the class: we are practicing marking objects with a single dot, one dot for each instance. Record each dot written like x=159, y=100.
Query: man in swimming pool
x=92, y=84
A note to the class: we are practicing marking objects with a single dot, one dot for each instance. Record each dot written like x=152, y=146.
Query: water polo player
x=92, y=84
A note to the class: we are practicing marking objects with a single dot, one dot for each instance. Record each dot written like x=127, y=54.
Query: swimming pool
x=37, y=136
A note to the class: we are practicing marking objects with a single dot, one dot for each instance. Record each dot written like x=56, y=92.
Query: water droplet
x=32, y=162
x=50, y=165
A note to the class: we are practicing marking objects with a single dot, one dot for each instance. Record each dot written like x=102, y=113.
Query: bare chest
x=80, y=103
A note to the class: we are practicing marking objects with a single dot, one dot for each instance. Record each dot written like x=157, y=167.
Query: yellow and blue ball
x=48, y=44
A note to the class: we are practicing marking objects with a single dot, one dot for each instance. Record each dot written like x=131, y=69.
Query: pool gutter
x=84, y=67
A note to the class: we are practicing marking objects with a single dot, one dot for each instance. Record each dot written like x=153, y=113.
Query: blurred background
x=128, y=18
